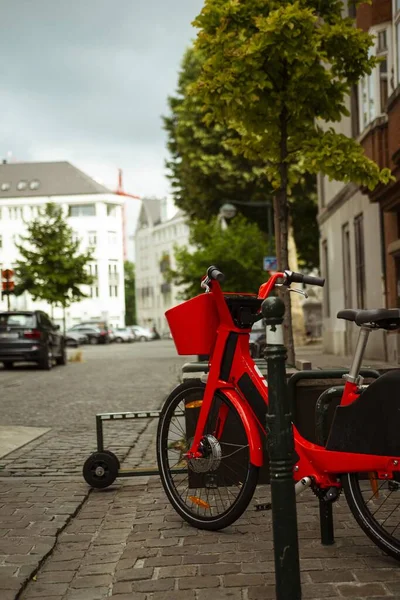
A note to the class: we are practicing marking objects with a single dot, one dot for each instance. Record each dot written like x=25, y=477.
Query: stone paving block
x=42, y=590
x=176, y=595
x=92, y=581
x=198, y=582
x=365, y=590
x=87, y=594
x=153, y=585
x=134, y=574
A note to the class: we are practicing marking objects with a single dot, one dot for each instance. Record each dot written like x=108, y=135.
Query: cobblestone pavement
x=58, y=541
x=128, y=543
x=41, y=486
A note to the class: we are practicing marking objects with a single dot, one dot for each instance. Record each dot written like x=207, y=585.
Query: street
x=111, y=377
x=60, y=540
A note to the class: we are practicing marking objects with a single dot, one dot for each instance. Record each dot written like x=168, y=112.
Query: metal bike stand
x=322, y=432
x=103, y=467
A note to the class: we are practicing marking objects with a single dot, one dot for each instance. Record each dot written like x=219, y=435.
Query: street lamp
x=226, y=213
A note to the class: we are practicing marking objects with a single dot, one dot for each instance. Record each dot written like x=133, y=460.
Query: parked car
x=75, y=338
x=142, y=334
x=257, y=339
x=93, y=334
x=123, y=334
x=94, y=329
x=31, y=336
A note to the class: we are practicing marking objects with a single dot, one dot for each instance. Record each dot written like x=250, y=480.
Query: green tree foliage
x=51, y=267
x=205, y=172
x=275, y=71
x=238, y=251
x=130, y=295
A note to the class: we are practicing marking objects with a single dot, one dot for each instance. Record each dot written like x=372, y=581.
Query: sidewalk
x=126, y=542
x=321, y=360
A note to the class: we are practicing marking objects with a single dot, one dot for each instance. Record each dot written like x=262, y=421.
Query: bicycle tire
x=362, y=499
x=193, y=509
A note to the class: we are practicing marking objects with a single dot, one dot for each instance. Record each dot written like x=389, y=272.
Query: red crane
x=120, y=192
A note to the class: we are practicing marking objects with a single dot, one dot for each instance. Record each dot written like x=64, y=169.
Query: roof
x=150, y=212
x=45, y=179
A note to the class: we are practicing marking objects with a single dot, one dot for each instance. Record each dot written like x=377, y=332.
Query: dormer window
x=22, y=185
x=5, y=186
x=34, y=184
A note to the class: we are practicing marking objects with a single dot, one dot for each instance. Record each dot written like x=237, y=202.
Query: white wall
x=151, y=243
x=108, y=250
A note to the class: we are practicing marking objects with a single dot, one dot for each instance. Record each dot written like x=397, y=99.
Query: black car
x=30, y=336
x=93, y=334
x=89, y=327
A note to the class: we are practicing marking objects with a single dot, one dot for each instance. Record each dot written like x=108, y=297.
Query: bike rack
x=125, y=416
x=321, y=413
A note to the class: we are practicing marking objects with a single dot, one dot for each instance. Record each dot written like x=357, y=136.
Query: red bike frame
x=315, y=461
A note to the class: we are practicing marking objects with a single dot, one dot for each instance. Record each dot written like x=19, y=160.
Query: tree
x=130, y=294
x=205, y=172
x=274, y=72
x=238, y=251
x=52, y=268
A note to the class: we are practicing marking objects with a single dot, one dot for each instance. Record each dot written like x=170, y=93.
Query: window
x=325, y=269
x=82, y=210
x=396, y=23
x=92, y=270
x=22, y=185
x=111, y=210
x=15, y=212
x=5, y=186
x=92, y=238
x=1, y=242
x=94, y=291
x=346, y=265
x=113, y=290
x=34, y=184
x=360, y=260
x=374, y=88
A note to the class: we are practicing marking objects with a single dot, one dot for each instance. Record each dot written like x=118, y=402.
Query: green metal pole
x=281, y=455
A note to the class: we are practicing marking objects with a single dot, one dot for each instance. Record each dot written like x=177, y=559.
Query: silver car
x=123, y=334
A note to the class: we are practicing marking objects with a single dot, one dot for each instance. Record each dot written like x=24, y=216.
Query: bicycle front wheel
x=375, y=504
x=211, y=492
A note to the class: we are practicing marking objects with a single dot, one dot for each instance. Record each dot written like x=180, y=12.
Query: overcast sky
x=87, y=81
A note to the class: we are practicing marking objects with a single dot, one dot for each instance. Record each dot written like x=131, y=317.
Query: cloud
x=87, y=81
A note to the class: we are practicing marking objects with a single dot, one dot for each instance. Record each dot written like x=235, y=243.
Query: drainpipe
x=383, y=261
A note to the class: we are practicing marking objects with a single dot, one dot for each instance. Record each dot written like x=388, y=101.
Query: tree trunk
x=282, y=234
x=64, y=320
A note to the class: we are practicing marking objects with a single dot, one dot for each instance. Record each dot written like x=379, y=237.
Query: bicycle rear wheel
x=211, y=492
x=375, y=504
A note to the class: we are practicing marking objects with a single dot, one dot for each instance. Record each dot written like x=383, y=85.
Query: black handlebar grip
x=320, y=281
x=296, y=277
x=301, y=278
x=214, y=273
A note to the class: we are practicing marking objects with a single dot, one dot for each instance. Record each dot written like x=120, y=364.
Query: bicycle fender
x=250, y=425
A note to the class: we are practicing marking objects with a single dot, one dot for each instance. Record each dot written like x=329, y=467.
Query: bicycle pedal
x=266, y=506
x=332, y=494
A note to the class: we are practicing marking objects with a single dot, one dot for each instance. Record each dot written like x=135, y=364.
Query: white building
x=155, y=239
x=94, y=213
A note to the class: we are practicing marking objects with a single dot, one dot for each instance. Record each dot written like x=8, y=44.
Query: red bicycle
x=210, y=433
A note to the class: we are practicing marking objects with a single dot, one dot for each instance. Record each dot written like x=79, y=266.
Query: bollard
x=281, y=455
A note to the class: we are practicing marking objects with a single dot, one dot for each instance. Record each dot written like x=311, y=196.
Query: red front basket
x=194, y=324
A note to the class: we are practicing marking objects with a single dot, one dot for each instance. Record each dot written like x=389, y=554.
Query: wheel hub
x=99, y=471
x=212, y=454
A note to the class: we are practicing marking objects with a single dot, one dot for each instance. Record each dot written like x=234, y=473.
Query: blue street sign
x=270, y=263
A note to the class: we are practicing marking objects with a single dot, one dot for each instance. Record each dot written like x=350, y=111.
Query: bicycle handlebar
x=214, y=273
x=292, y=277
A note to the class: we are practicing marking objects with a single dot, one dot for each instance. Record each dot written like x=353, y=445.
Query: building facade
x=360, y=229
x=95, y=215
x=155, y=239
